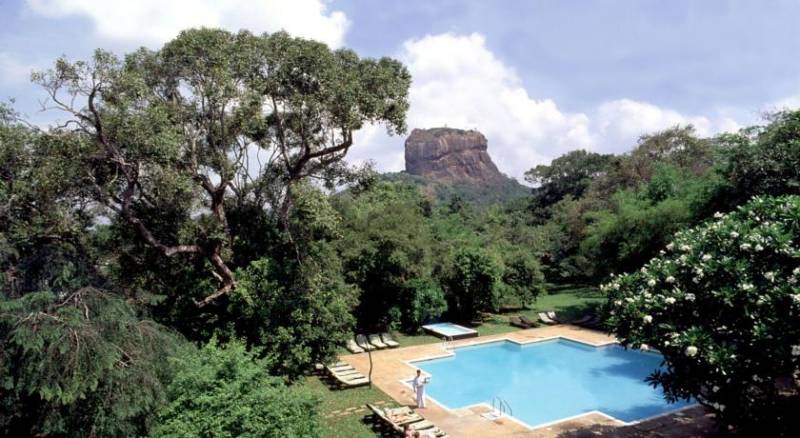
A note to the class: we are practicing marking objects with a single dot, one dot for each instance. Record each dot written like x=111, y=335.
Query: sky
x=538, y=78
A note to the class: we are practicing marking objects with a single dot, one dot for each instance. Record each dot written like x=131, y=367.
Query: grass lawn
x=336, y=422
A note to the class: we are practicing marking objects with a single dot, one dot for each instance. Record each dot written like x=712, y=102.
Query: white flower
x=648, y=319
x=770, y=276
x=691, y=351
x=670, y=279
x=686, y=248
x=643, y=270
x=670, y=246
x=706, y=257
x=629, y=299
x=759, y=247
x=689, y=297
x=615, y=286
x=745, y=247
x=715, y=388
x=734, y=234
x=795, y=350
x=746, y=286
x=617, y=302
x=666, y=343
x=669, y=300
x=651, y=283
x=644, y=347
x=718, y=215
x=796, y=271
x=699, y=272
x=796, y=298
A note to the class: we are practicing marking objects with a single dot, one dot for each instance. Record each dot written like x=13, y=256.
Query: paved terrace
x=390, y=369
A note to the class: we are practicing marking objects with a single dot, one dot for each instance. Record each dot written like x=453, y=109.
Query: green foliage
x=388, y=256
x=763, y=160
x=568, y=175
x=640, y=222
x=522, y=275
x=43, y=221
x=477, y=195
x=722, y=304
x=298, y=315
x=421, y=301
x=472, y=283
x=80, y=364
x=223, y=391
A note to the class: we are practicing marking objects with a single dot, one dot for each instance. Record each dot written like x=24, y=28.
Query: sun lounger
x=345, y=373
x=546, y=319
x=351, y=380
x=339, y=364
x=362, y=342
x=388, y=340
x=528, y=321
x=516, y=322
x=376, y=342
x=582, y=320
x=340, y=367
x=353, y=347
x=398, y=418
x=352, y=383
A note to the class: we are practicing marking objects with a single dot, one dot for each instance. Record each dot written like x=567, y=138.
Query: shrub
x=422, y=301
x=722, y=303
x=222, y=391
x=82, y=364
x=473, y=283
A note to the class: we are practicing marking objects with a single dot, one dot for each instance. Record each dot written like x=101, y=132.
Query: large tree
x=167, y=140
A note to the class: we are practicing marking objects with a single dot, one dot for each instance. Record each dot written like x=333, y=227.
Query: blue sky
x=538, y=78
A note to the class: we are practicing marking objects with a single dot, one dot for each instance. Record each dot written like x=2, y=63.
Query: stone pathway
x=363, y=409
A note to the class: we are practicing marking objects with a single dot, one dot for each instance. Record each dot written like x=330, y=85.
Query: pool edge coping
x=449, y=353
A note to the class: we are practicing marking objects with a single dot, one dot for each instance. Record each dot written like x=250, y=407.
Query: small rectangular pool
x=548, y=381
x=448, y=330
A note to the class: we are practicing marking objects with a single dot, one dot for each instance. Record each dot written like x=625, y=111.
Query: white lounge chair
x=387, y=339
x=375, y=341
x=546, y=319
x=362, y=342
x=353, y=347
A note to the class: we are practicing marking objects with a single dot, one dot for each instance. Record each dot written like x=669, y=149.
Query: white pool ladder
x=501, y=407
x=446, y=344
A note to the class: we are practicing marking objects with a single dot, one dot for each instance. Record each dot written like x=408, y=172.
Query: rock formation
x=451, y=155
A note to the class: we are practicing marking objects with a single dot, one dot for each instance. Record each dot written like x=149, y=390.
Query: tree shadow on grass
x=693, y=423
x=380, y=428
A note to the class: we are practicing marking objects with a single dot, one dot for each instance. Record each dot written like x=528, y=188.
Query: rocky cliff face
x=450, y=155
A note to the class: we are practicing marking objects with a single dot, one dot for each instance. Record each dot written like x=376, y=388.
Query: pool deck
x=390, y=368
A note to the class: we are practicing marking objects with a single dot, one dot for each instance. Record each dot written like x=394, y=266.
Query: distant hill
x=498, y=191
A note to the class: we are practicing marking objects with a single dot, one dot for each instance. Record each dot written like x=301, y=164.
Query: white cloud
x=14, y=72
x=617, y=124
x=459, y=82
x=156, y=21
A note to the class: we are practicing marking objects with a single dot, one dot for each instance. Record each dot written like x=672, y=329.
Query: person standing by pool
x=419, y=388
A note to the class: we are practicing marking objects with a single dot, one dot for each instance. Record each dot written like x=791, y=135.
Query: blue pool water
x=549, y=381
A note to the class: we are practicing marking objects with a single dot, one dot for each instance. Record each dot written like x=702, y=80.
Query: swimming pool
x=449, y=330
x=548, y=381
